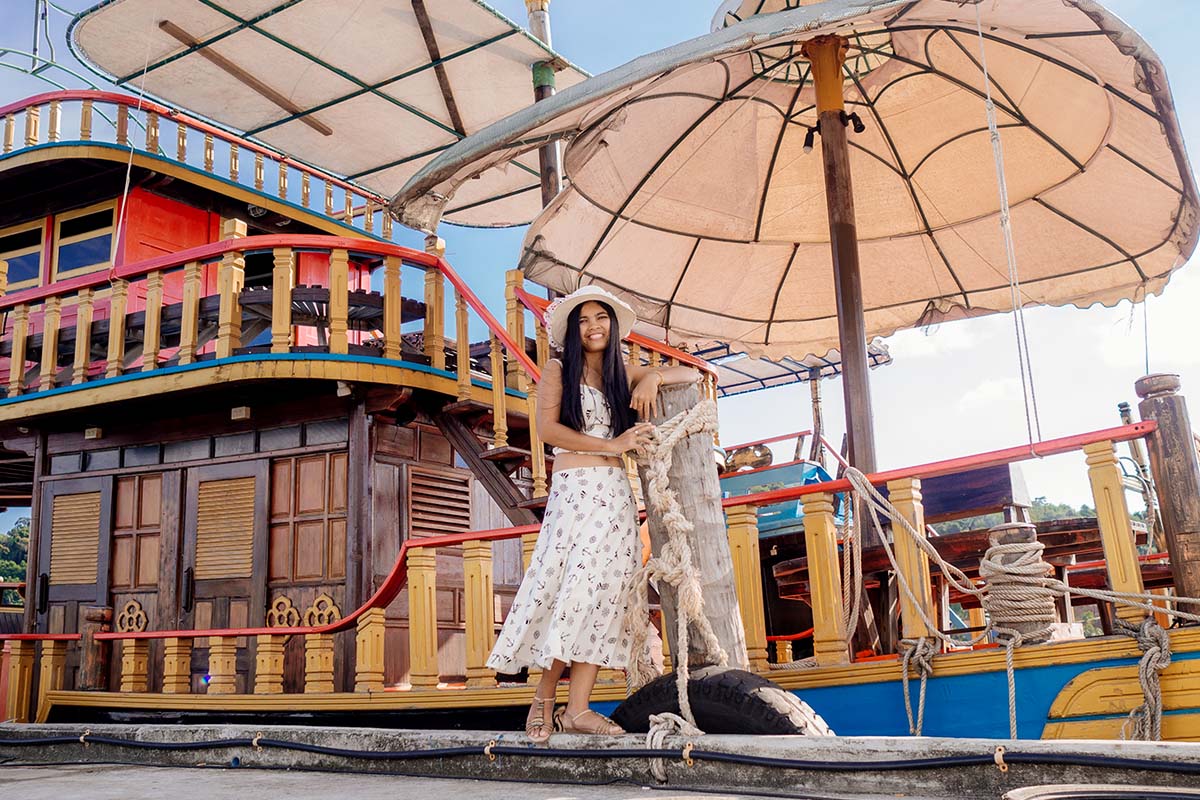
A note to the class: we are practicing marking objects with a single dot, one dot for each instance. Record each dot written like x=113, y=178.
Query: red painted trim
x=1102, y=562
x=40, y=637
x=772, y=440
x=48, y=245
x=174, y=115
x=792, y=637
x=1066, y=444
x=538, y=306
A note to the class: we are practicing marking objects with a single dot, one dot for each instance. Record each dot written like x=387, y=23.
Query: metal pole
x=549, y=158
x=827, y=54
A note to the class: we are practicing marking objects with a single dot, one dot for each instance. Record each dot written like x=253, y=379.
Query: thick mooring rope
x=673, y=564
x=1145, y=721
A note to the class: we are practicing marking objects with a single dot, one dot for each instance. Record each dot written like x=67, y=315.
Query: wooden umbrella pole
x=816, y=452
x=827, y=55
x=549, y=156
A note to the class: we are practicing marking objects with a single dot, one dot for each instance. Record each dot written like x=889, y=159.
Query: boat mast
x=549, y=159
x=827, y=55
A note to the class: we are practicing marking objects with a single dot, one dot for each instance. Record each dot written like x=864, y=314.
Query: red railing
x=782, y=438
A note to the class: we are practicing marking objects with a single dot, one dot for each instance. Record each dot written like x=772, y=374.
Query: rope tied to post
x=918, y=654
x=674, y=564
x=1145, y=721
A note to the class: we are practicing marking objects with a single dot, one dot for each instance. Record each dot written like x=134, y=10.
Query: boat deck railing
x=110, y=119
x=414, y=575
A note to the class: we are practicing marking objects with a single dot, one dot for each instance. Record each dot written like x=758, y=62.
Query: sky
x=952, y=390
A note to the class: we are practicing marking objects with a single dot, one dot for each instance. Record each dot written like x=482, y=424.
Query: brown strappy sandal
x=594, y=722
x=537, y=727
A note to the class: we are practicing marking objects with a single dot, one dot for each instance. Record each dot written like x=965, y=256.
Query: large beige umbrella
x=702, y=176
x=371, y=90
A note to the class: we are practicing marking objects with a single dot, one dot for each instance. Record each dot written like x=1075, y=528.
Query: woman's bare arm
x=556, y=434
x=646, y=381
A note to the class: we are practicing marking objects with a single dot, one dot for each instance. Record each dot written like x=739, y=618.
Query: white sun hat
x=558, y=312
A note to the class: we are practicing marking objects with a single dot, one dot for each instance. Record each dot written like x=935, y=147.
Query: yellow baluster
x=328, y=199
x=85, y=120
x=536, y=447
x=21, y=660
x=305, y=189
x=230, y=280
x=55, y=131
x=10, y=132
x=283, y=280
x=209, y=154
x=151, y=132
x=514, y=319
x=499, y=396
x=635, y=354
x=783, y=652
x=235, y=162
x=368, y=651
x=268, y=663
x=1116, y=532
x=177, y=666
x=20, y=339
x=53, y=674
x=480, y=612
x=190, y=324
x=222, y=665
x=742, y=523
x=824, y=580
x=83, y=336
x=258, y=171
x=422, y=618
x=181, y=133
x=118, y=300
x=152, y=338
x=393, y=306
x=462, y=346
x=33, y=116
x=905, y=495
x=318, y=663
x=435, y=325
x=283, y=180
x=51, y=315
x=135, y=665
x=339, y=300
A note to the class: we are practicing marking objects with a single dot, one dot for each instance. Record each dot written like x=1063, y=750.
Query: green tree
x=14, y=555
x=1042, y=511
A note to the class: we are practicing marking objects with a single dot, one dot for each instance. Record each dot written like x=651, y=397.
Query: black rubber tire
x=724, y=700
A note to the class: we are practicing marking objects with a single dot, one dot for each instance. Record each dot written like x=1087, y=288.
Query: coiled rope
x=673, y=564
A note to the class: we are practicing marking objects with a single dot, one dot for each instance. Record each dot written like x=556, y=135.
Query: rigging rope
x=1145, y=721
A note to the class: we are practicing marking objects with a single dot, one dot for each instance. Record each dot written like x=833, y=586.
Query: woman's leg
x=548, y=685
x=539, y=722
x=583, y=679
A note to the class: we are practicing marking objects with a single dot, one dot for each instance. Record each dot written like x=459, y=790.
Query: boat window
x=84, y=240
x=21, y=247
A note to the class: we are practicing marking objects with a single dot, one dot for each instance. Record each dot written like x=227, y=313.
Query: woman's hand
x=635, y=438
x=645, y=392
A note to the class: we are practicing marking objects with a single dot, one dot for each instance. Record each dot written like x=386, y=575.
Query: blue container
x=779, y=518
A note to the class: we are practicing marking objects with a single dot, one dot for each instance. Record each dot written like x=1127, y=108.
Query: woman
x=570, y=608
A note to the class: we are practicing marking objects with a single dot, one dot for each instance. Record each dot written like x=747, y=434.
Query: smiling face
x=595, y=325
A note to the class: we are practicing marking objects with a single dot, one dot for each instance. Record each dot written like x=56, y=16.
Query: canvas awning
x=693, y=194
x=738, y=373
x=369, y=90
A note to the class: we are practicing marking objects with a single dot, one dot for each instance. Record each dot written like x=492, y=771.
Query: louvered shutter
x=225, y=529
x=439, y=503
x=74, y=539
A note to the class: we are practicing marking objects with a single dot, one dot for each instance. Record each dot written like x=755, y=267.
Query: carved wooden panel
x=225, y=528
x=75, y=538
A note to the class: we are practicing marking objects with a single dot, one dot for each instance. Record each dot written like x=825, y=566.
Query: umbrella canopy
x=738, y=373
x=370, y=90
x=696, y=184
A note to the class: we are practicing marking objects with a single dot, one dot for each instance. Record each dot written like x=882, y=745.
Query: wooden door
x=73, y=555
x=224, y=564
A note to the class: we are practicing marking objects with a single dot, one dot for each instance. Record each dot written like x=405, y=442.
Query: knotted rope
x=674, y=563
x=919, y=653
x=1145, y=721
x=662, y=726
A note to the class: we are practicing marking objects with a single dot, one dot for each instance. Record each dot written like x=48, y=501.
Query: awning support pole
x=549, y=155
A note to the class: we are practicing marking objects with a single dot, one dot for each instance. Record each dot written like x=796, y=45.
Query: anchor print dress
x=571, y=604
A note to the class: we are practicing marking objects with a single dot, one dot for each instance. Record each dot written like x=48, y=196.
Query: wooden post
x=462, y=346
x=635, y=354
x=824, y=581
x=478, y=599
x=54, y=133
x=51, y=315
x=339, y=300
x=151, y=132
x=235, y=162
x=543, y=345
x=189, y=330
x=693, y=477
x=181, y=132
x=368, y=651
x=268, y=663
x=654, y=358
x=393, y=305
x=258, y=171
x=1116, y=532
x=283, y=280
x=135, y=665
x=537, y=448
x=10, y=132
x=422, y=618
x=305, y=189
x=208, y=152
x=348, y=208
x=747, y=576
x=95, y=654
x=85, y=120
x=369, y=216
x=499, y=396
x=177, y=666
x=21, y=659
x=827, y=55
x=783, y=652
x=53, y=674
x=230, y=280
x=283, y=180
x=549, y=154
x=435, y=310
x=32, y=121
x=905, y=495
x=514, y=319
x=222, y=665
x=118, y=299
x=152, y=333
x=328, y=199
x=1176, y=477
x=20, y=338
x=318, y=663
x=1017, y=533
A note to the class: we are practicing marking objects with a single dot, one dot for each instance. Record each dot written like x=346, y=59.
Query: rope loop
x=1145, y=721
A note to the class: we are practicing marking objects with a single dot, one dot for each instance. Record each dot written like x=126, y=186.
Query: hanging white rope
x=121, y=217
x=1033, y=425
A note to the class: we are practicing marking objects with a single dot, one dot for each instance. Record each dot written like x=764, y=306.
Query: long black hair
x=614, y=382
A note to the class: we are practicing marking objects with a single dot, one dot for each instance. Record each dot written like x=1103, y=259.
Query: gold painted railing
x=110, y=118
x=415, y=571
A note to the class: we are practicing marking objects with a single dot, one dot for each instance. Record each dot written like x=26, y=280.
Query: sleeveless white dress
x=571, y=603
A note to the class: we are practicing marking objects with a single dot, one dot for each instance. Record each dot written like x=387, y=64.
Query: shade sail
x=738, y=373
x=370, y=90
x=691, y=190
